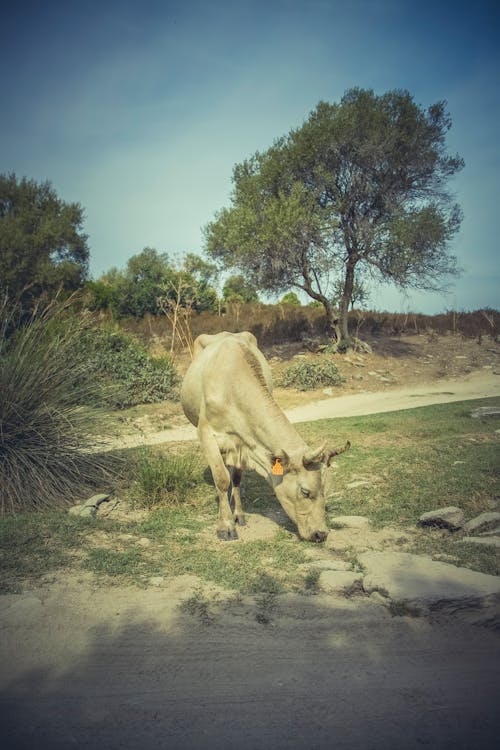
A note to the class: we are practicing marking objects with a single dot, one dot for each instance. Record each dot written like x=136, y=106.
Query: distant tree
x=290, y=298
x=238, y=289
x=361, y=186
x=149, y=277
x=42, y=244
x=205, y=275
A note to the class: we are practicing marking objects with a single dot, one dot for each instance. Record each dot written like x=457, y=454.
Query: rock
x=90, y=507
x=486, y=412
x=426, y=583
x=335, y=581
x=482, y=523
x=96, y=500
x=156, y=581
x=351, y=522
x=451, y=518
x=332, y=564
x=488, y=541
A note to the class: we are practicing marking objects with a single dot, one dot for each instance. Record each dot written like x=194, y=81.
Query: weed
x=402, y=609
x=267, y=588
x=311, y=580
x=198, y=606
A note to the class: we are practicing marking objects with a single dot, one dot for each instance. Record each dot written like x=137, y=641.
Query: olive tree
x=361, y=188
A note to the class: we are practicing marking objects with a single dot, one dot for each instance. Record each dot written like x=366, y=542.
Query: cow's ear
x=279, y=463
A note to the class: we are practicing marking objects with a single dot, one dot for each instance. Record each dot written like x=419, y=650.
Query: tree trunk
x=345, y=301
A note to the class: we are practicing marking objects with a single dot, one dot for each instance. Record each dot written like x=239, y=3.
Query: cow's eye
x=304, y=492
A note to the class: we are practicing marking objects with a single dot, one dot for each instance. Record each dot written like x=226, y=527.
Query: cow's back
x=222, y=364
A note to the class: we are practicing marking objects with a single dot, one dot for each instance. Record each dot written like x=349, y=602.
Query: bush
x=129, y=376
x=163, y=479
x=46, y=436
x=306, y=376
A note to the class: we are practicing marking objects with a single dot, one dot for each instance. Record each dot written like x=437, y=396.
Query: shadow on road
x=344, y=676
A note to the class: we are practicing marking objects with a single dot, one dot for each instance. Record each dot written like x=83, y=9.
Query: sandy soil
x=91, y=666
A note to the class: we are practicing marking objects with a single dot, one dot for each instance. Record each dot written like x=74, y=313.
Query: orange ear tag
x=277, y=468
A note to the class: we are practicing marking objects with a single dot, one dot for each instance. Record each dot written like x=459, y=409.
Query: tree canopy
x=359, y=191
x=42, y=244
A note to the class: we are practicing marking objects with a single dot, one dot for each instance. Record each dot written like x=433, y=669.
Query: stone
x=336, y=581
x=156, y=581
x=425, y=583
x=333, y=564
x=486, y=412
x=451, y=518
x=482, y=523
x=96, y=500
x=487, y=541
x=351, y=522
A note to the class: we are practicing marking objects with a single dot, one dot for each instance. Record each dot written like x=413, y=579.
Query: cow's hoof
x=227, y=535
x=240, y=520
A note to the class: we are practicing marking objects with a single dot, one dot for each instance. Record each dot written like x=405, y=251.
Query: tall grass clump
x=46, y=435
x=164, y=479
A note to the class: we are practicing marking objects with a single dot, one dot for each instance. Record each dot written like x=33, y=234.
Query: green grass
x=165, y=478
x=410, y=462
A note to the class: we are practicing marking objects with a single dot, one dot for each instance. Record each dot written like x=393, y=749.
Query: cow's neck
x=271, y=437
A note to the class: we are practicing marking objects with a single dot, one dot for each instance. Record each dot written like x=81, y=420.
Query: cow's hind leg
x=226, y=529
x=238, y=512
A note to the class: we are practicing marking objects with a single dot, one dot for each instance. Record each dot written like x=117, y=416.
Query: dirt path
x=479, y=384
x=111, y=668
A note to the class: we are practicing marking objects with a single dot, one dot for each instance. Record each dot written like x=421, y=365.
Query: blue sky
x=139, y=110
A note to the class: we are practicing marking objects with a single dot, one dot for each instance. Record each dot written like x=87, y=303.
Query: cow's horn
x=314, y=455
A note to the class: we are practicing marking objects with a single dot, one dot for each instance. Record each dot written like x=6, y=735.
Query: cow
x=227, y=394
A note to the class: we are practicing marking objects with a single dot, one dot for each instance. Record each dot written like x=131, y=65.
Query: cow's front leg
x=226, y=529
x=238, y=512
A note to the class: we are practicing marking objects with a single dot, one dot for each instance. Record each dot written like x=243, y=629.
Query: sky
x=139, y=110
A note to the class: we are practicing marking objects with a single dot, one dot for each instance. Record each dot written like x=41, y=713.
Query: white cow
x=227, y=395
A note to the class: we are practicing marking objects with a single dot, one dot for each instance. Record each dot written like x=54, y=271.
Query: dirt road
x=102, y=668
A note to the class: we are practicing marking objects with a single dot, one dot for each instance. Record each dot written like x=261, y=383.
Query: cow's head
x=300, y=490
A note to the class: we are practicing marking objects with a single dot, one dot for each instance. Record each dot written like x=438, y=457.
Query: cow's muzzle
x=319, y=536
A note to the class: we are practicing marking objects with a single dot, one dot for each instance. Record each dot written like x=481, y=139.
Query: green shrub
x=46, y=436
x=129, y=376
x=306, y=376
x=163, y=479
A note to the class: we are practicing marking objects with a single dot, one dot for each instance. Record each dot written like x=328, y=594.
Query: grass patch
x=34, y=544
x=129, y=563
x=408, y=462
x=165, y=479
